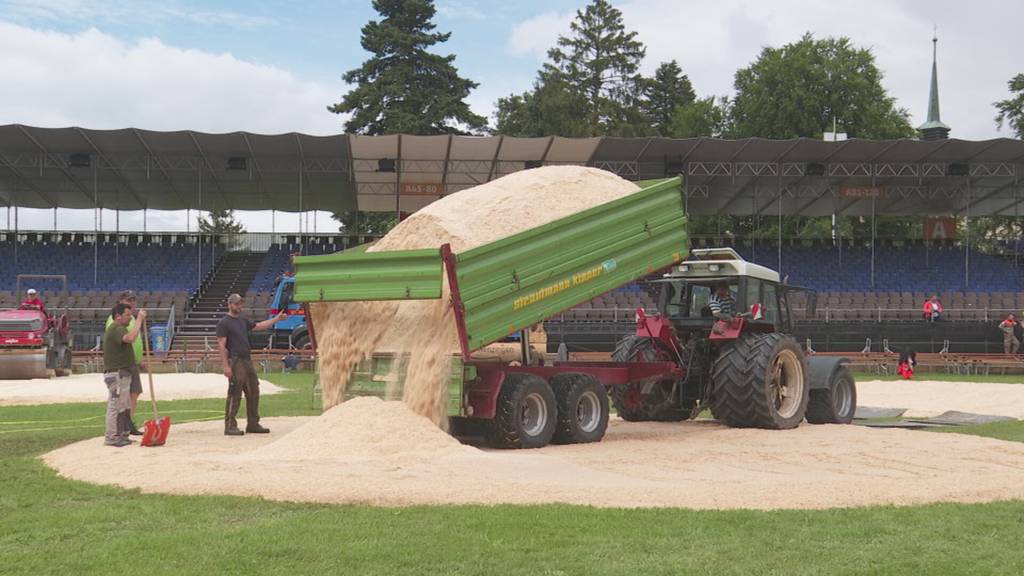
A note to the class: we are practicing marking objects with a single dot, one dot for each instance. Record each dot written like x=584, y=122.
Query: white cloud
x=457, y=9
x=95, y=80
x=535, y=36
x=125, y=11
x=978, y=53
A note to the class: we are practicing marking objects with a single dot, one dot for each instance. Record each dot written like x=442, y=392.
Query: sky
x=274, y=66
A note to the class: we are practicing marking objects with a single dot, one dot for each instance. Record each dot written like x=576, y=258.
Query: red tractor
x=745, y=369
x=32, y=343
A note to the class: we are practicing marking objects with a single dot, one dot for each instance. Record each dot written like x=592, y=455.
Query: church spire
x=934, y=129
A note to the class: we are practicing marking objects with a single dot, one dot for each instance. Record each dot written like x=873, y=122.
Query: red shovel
x=155, y=430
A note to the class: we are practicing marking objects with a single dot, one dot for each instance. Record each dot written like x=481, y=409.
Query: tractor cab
x=758, y=295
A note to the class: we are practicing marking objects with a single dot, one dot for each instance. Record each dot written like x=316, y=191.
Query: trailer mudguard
x=821, y=369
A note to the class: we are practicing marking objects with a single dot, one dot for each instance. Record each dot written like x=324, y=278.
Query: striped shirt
x=722, y=305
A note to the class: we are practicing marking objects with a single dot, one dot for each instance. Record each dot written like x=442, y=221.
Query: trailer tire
x=526, y=413
x=761, y=381
x=582, y=409
x=631, y=402
x=835, y=404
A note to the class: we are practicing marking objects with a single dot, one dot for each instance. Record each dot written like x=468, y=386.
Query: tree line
x=591, y=85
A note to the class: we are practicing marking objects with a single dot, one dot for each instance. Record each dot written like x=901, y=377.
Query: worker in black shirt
x=233, y=341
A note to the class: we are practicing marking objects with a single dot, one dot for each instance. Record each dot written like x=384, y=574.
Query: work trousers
x=1010, y=344
x=118, y=404
x=243, y=381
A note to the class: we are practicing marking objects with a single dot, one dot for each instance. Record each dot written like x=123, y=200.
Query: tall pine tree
x=665, y=93
x=590, y=86
x=404, y=88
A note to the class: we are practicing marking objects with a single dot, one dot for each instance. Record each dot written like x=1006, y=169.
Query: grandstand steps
x=234, y=273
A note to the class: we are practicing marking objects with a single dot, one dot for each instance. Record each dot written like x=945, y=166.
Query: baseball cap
x=31, y=291
x=126, y=295
x=234, y=299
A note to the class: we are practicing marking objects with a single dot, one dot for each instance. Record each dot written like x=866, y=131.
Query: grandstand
x=869, y=287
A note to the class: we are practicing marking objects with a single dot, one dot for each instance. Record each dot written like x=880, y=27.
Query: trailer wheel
x=760, y=381
x=526, y=414
x=836, y=404
x=649, y=399
x=582, y=409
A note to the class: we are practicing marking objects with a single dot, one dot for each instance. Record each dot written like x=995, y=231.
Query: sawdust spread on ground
x=90, y=388
x=424, y=330
x=372, y=452
x=929, y=398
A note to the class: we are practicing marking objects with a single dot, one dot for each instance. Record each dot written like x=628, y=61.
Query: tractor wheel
x=582, y=409
x=836, y=404
x=301, y=342
x=526, y=413
x=649, y=399
x=760, y=381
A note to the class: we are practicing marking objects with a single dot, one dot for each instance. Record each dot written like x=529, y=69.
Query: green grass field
x=49, y=525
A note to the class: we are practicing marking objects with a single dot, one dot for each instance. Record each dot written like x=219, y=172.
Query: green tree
x=797, y=90
x=665, y=93
x=220, y=222
x=590, y=86
x=359, y=222
x=704, y=117
x=403, y=88
x=1011, y=110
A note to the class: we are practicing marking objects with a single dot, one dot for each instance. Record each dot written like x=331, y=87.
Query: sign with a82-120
x=421, y=189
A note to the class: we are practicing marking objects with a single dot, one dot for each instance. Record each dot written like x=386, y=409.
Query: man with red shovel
x=118, y=367
x=233, y=341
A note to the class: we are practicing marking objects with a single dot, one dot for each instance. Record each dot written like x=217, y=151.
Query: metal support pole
x=144, y=214
x=54, y=218
x=96, y=227
x=967, y=235
x=873, y=232
x=780, y=222
x=302, y=246
x=199, y=236
x=15, y=234
x=117, y=236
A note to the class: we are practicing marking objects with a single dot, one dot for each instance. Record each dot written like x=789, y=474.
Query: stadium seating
x=151, y=268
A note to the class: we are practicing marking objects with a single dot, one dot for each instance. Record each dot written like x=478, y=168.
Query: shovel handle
x=149, y=370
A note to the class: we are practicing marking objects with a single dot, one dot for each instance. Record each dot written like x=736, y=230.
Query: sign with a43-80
x=422, y=189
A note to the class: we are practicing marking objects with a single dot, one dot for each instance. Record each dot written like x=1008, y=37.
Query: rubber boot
x=124, y=426
x=231, y=412
x=252, y=411
x=132, y=428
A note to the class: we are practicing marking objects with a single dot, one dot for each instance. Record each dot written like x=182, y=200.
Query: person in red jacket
x=33, y=301
x=932, y=309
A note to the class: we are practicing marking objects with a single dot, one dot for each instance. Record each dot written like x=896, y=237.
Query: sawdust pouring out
x=424, y=330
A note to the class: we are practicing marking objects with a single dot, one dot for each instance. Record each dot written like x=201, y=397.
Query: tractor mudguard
x=821, y=368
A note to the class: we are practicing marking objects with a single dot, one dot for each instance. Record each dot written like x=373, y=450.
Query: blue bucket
x=158, y=337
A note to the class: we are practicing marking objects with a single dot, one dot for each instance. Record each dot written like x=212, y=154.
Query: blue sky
x=274, y=66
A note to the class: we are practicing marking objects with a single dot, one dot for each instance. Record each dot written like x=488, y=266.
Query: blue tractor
x=291, y=332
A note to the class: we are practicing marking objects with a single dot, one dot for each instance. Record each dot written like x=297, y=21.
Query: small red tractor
x=32, y=343
x=745, y=369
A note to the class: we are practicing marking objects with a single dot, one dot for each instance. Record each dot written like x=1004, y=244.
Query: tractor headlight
x=713, y=267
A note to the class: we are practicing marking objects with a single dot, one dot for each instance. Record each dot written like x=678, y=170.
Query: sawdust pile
x=348, y=332
x=365, y=427
x=356, y=453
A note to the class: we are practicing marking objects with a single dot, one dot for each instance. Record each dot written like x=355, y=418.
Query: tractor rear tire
x=647, y=400
x=761, y=381
x=526, y=414
x=836, y=404
x=582, y=409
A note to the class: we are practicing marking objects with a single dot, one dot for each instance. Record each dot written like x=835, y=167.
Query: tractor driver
x=722, y=303
x=33, y=301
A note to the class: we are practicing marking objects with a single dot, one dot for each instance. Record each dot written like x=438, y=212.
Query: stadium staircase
x=234, y=274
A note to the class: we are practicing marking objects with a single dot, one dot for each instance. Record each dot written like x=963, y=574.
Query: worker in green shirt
x=118, y=361
x=128, y=299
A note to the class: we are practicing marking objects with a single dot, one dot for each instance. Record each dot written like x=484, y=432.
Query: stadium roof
x=131, y=169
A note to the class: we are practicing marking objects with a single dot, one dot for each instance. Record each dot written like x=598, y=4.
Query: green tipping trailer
x=504, y=287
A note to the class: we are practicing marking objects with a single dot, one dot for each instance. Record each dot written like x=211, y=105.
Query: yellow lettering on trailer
x=562, y=285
